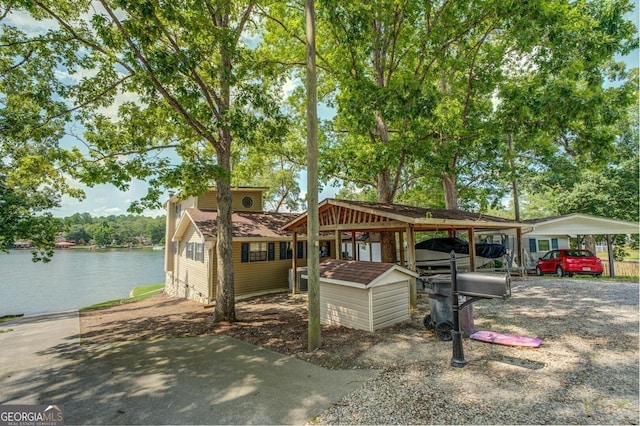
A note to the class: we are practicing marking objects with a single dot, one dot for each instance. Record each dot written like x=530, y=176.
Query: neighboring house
x=262, y=253
x=554, y=232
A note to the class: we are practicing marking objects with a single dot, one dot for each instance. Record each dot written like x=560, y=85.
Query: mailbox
x=490, y=286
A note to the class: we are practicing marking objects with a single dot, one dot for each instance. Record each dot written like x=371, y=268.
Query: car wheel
x=559, y=271
x=443, y=330
x=538, y=271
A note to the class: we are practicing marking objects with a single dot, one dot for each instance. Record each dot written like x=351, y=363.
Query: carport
x=573, y=225
x=345, y=216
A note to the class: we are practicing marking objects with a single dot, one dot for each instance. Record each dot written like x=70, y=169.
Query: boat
x=435, y=253
x=158, y=248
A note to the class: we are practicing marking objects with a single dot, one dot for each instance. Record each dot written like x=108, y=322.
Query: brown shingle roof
x=422, y=212
x=245, y=224
x=353, y=271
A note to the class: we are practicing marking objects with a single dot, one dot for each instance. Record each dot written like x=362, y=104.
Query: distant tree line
x=82, y=228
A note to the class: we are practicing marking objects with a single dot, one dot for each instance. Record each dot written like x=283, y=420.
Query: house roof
x=245, y=224
x=365, y=273
x=360, y=215
x=582, y=224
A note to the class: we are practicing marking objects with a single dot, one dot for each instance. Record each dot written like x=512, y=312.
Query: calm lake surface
x=74, y=278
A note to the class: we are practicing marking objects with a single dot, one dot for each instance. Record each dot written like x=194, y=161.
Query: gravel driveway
x=585, y=372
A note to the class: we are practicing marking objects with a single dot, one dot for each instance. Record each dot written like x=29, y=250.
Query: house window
x=200, y=252
x=178, y=209
x=300, y=250
x=190, y=250
x=325, y=248
x=285, y=251
x=176, y=247
x=543, y=245
x=554, y=243
x=258, y=252
x=532, y=245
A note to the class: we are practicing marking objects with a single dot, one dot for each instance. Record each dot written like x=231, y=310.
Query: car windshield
x=579, y=253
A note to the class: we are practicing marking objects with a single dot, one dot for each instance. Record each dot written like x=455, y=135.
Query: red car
x=566, y=262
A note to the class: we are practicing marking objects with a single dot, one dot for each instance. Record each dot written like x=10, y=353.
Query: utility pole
x=313, y=226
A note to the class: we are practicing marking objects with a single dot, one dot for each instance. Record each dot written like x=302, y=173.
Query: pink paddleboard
x=506, y=339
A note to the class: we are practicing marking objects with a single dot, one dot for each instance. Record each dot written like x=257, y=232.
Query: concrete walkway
x=199, y=380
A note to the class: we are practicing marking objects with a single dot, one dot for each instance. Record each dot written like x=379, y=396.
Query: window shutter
x=532, y=245
x=244, y=255
x=554, y=243
x=328, y=248
x=300, y=249
x=283, y=251
x=271, y=251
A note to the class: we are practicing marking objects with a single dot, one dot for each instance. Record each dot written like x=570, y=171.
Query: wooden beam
x=520, y=252
x=472, y=250
x=353, y=245
x=612, y=267
x=401, y=244
x=411, y=248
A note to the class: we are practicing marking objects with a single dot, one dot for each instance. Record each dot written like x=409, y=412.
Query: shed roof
x=365, y=273
x=582, y=224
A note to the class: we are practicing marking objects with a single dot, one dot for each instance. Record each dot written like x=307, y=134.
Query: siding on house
x=537, y=245
x=191, y=278
x=208, y=200
x=258, y=277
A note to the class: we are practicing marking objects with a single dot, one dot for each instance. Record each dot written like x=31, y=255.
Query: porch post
x=472, y=250
x=612, y=267
x=520, y=252
x=353, y=246
x=411, y=248
x=338, y=254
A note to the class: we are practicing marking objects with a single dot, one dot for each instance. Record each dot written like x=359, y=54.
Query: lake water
x=74, y=278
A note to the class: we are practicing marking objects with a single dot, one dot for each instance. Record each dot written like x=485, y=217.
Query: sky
x=105, y=200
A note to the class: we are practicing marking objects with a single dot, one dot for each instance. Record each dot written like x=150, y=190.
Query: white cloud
x=26, y=23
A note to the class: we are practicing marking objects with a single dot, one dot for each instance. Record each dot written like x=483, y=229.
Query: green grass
x=138, y=293
x=9, y=317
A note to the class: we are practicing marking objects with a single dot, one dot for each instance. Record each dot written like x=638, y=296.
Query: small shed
x=364, y=295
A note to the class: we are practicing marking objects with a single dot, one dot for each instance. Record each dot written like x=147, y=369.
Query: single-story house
x=262, y=252
x=554, y=233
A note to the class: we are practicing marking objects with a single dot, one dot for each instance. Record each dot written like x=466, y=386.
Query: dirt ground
x=277, y=322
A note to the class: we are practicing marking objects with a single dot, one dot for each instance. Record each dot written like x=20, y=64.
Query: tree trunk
x=387, y=239
x=225, y=286
x=450, y=192
x=590, y=243
x=225, y=309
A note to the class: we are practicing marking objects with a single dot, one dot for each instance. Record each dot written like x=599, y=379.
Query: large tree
x=417, y=87
x=194, y=84
x=32, y=181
